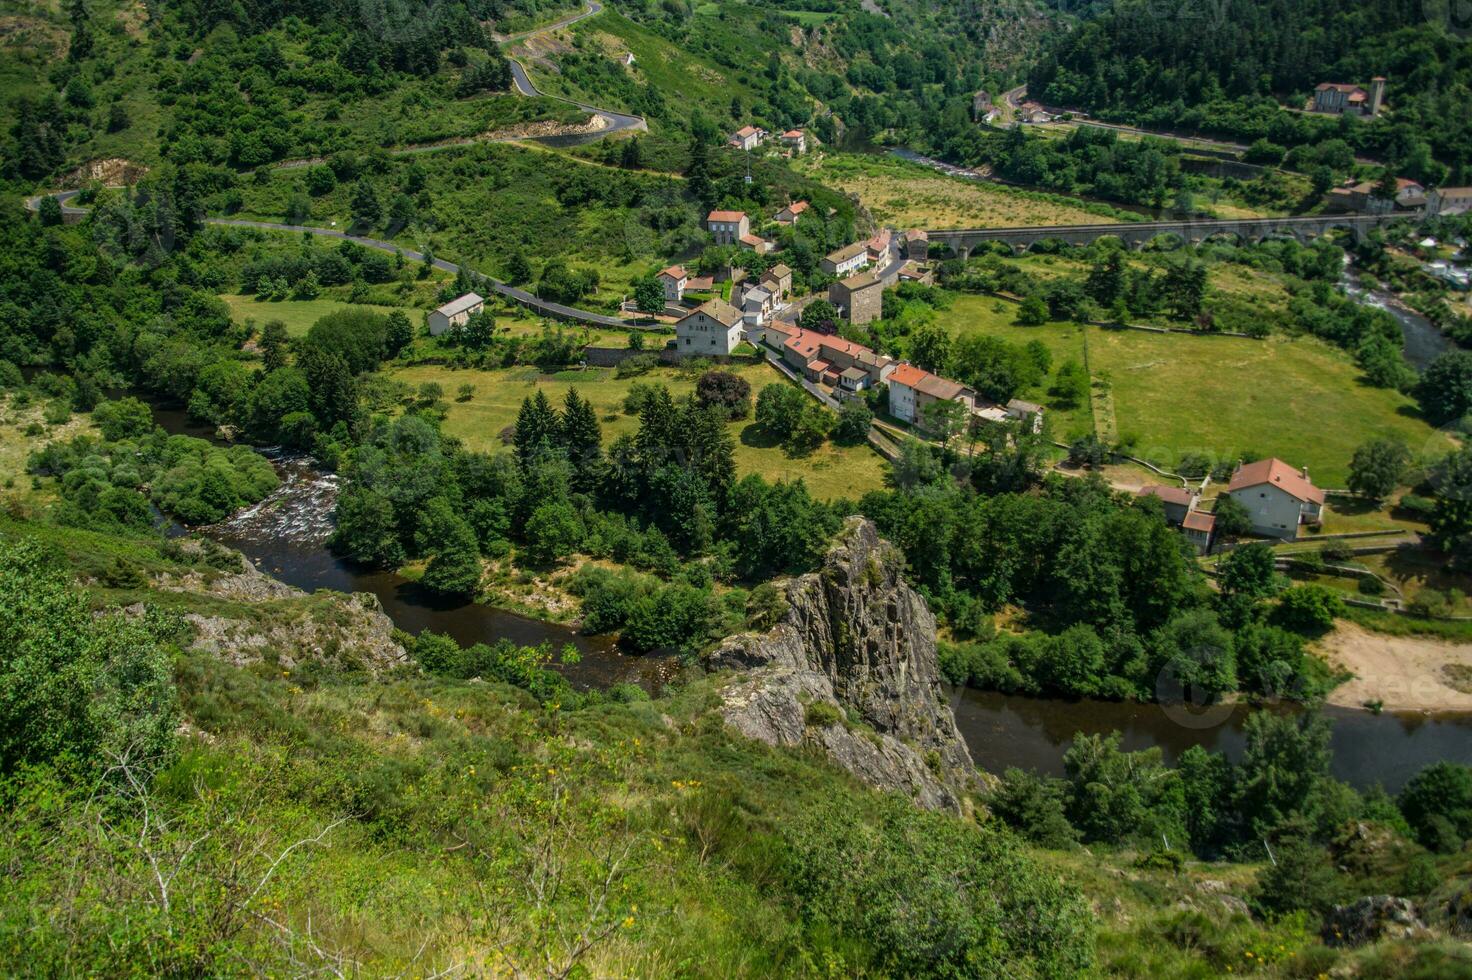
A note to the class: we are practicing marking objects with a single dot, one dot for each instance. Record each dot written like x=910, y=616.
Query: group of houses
x=1363, y=197
x=1278, y=498
x=748, y=138
x=1343, y=99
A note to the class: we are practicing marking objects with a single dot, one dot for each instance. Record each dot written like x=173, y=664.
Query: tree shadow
x=757, y=436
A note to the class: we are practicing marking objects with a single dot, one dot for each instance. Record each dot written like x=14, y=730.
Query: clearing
x=297, y=314
x=831, y=471
x=1298, y=399
x=904, y=194
x=1418, y=673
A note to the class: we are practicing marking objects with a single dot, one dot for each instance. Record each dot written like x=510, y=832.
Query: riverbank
x=1401, y=673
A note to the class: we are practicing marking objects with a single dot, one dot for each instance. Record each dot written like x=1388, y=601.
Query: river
x=1423, y=340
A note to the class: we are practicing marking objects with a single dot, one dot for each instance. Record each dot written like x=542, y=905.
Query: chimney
x=1377, y=94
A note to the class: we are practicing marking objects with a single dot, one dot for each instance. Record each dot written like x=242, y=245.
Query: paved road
x=546, y=307
x=616, y=121
x=593, y=7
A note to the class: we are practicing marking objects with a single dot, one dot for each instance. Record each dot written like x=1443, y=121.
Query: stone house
x=756, y=243
x=1449, y=200
x=1278, y=498
x=712, y=328
x=1177, y=501
x=825, y=359
x=1339, y=98
x=860, y=297
x=796, y=141
x=917, y=244
x=778, y=281
x=727, y=227
x=454, y=313
x=1030, y=414
x=878, y=244
x=793, y=211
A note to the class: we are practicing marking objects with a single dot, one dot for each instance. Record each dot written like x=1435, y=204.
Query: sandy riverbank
x=1404, y=673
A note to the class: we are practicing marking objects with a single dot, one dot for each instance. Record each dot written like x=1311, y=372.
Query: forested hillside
x=1224, y=67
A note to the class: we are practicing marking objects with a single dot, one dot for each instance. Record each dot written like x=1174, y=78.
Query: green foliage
x=1377, y=467
x=78, y=692
x=1308, y=609
x=1035, y=807
x=1437, y=803
x=930, y=896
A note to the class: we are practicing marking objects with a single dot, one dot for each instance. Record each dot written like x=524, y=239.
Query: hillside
x=1224, y=69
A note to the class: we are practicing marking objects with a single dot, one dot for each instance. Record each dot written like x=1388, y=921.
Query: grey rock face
x=851, y=669
x=1372, y=918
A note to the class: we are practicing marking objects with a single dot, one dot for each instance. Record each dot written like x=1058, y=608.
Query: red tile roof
x=1291, y=481
x=1337, y=86
x=725, y=216
x=1199, y=520
x=1171, y=495
x=792, y=134
x=908, y=375
x=674, y=272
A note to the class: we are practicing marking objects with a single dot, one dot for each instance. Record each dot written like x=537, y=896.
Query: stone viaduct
x=1137, y=234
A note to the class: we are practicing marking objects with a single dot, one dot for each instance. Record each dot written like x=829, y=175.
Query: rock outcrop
x=851, y=669
x=1373, y=918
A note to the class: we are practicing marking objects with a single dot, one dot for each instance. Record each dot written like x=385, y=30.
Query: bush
x=821, y=714
x=78, y=691
x=1370, y=585
x=632, y=367
x=1308, y=609
x=928, y=895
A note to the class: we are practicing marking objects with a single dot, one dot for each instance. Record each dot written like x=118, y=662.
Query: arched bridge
x=1138, y=234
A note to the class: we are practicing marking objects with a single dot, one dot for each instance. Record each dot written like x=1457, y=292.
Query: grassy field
x=16, y=447
x=297, y=314
x=1297, y=399
x=832, y=471
x=906, y=194
x=987, y=315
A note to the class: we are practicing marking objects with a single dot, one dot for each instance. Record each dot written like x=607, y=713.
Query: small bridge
x=1185, y=231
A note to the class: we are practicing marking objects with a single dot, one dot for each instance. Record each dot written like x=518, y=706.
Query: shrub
x=1308, y=609
x=821, y=714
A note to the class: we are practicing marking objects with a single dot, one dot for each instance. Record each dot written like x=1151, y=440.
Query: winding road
x=614, y=122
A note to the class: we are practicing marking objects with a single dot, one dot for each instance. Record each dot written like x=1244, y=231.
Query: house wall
x=902, y=402
x=674, y=289
x=439, y=323
x=729, y=232
x=1274, y=512
x=701, y=334
x=866, y=304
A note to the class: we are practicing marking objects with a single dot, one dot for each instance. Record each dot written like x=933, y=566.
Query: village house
x=911, y=389
x=860, y=297
x=1181, y=512
x=1449, y=200
x=756, y=243
x=674, y=280
x=1360, y=197
x=796, y=141
x=793, y=211
x=846, y=261
x=713, y=328
x=778, y=281
x=1197, y=527
x=826, y=359
x=1030, y=414
x=1177, y=501
x=1278, y=497
x=727, y=227
x=981, y=104
x=1338, y=98
x=915, y=272
x=1033, y=113
x=747, y=138
x=756, y=308
x=917, y=244
x=878, y=244
x=454, y=313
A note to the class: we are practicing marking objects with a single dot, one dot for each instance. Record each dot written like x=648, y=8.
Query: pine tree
x=581, y=433
x=537, y=428
x=366, y=209
x=273, y=345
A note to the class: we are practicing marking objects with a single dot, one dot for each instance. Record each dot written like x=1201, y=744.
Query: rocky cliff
x=851, y=669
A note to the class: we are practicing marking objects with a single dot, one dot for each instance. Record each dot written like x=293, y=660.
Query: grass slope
x=831, y=471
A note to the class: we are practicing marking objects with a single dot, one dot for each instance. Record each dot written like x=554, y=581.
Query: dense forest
x=1224, y=68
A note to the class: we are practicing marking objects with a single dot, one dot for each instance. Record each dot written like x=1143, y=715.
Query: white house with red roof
x=795, y=140
x=1278, y=497
x=912, y=388
x=728, y=227
x=674, y=280
x=1341, y=98
x=747, y=138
